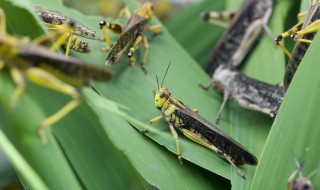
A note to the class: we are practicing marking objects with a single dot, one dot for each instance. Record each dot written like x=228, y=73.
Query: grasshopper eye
x=162, y=95
x=306, y=187
x=102, y=23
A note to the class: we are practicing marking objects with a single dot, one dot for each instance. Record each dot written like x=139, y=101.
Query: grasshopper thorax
x=161, y=97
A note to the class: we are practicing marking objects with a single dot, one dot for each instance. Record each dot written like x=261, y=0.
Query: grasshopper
x=131, y=35
x=199, y=130
x=301, y=183
x=28, y=59
x=54, y=21
x=248, y=92
x=303, y=33
x=245, y=29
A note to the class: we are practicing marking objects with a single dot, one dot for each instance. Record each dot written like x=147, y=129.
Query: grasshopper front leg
x=289, y=32
x=215, y=17
x=104, y=27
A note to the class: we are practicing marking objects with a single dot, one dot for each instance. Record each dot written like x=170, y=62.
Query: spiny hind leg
x=104, y=27
x=45, y=79
x=198, y=139
x=216, y=17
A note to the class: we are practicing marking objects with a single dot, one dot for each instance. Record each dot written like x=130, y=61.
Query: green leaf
x=48, y=161
x=20, y=164
x=133, y=89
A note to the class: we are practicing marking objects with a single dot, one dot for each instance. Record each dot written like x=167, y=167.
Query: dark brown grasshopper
x=301, y=183
x=303, y=33
x=246, y=27
x=248, y=92
x=28, y=59
x=196, y=128
x=131, y=35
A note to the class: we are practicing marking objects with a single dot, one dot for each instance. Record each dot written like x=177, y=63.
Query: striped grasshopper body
x=248, y=92
x=54, y=21
x=131, y=35
x=199, y=130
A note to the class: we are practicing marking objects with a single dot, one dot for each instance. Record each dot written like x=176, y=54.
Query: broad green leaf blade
x=93, y=56
x=48, y=161
x=20, y=164
x=133, y=89
x=295, y=131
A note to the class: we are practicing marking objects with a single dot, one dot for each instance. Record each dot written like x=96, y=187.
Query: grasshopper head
x=161, y=97
x=146, y=10
x=303, y=183
x=222, y=77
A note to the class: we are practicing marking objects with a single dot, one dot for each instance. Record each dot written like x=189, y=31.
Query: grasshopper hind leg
x=45, y=79
x=199, y=139
x=176, y=138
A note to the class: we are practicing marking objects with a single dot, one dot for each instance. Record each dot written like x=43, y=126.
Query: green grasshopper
x=196, y=128
x=303, y=33
x=245, y=29
x=25, y=58
x=301, y=183
x=131, y=35
x=54, y=21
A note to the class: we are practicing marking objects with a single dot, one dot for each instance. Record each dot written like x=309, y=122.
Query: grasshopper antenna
x=165, y=74
x=157, y=82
